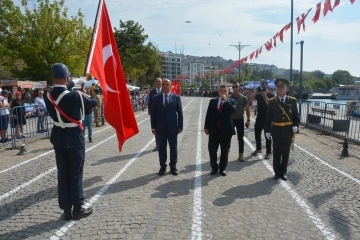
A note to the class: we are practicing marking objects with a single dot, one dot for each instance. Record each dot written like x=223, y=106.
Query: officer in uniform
x=66, y=108
x=282, y=121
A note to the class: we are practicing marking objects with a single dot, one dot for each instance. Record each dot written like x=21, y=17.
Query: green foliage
x=41, y=36
x=319, y=74
x=140, y=61
x=342, y=77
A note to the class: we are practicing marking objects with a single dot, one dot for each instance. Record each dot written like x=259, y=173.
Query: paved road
x=130, y=201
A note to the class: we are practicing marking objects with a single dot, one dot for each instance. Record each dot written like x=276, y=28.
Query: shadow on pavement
x=261, y=188
x=118, y=158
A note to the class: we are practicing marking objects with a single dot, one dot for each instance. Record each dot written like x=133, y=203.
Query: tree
x=319, y=74
x=266, y=74
x=342, y=77
x=141, y=62
x=41, y=36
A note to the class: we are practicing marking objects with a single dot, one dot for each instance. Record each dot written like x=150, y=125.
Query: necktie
x=282, y=100
x=166, y=102
x=220, y=109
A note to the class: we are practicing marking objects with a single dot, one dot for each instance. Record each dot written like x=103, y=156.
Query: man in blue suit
x=166, y=124
x=154, y=92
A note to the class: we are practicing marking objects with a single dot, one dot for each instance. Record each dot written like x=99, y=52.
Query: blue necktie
x=166, y=102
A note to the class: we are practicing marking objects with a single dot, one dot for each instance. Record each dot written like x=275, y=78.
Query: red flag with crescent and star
x=105, y=65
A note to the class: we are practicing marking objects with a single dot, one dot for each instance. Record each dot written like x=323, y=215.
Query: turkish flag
x=327, y=7
x=302, y=20
x=281, y=33
x=317, y=13
x=105, y=65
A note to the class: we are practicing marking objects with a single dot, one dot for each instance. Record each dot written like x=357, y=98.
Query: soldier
x=282, y=121
x=97, y=109
x=66, y=108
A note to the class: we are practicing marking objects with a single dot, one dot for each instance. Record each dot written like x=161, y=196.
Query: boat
x=354, y=108
x=347, y=92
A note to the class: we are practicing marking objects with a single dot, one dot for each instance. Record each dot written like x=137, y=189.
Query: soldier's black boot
x=81, y=212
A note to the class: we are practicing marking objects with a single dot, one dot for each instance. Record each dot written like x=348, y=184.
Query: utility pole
x=239, y=47
x=301, y=72
x=291, y=45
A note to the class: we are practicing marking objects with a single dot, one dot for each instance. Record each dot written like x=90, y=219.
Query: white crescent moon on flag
x=107, y=53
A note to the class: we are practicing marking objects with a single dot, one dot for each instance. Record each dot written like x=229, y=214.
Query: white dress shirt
x=283, y=98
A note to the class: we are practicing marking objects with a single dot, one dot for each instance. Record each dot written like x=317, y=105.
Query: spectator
x=4, y=115
x=41, y=112
x=19, y=115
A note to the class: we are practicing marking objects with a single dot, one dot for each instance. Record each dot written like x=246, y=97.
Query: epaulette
x=272, y=98
x=292, y=98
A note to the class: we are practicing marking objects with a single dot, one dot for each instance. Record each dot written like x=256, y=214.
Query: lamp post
x=301, y=71
x=291, y=43
x=239, y=47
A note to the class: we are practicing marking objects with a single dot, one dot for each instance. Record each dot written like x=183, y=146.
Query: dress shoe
x=67, y=215
x=284, y=177
x=174, y=171
x=90, y=140
x=81, y=212
x=213, y=172
x=162, y=171
x=223, y=173
x=155, y=149
x=276, y=177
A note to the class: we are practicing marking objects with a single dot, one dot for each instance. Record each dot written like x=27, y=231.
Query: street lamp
x=239, y=47
x=291, y=43
x=301, y=71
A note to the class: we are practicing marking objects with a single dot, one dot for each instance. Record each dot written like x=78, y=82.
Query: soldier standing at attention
x=66, y=108
x=97, y=108
x=282, y=120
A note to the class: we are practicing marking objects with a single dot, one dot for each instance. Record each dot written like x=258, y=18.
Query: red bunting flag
x=336, y=3
x=260, y=50
x=327, y=7
x=352, y=1
x=257, y=53
x=275, y=39
x=105, y=65
x=268, y=45
x=317, y=14
x=281, y=33
x=252, y=55
x=302, y=20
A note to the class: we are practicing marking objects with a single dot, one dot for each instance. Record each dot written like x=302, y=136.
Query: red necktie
x=220, y=109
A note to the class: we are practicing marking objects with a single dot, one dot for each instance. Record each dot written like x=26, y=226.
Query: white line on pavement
x=196, y=231
x=14, y=190
x=315, y=219
x=326, y=164
x=62, y=231
x=46, y=153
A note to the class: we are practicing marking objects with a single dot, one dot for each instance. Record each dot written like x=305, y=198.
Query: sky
x=331, y=44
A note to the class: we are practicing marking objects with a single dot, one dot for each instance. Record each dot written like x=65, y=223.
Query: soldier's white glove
x=295, y=129
x=268, y=135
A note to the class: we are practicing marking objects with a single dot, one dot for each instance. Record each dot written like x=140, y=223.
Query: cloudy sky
x=332, y=43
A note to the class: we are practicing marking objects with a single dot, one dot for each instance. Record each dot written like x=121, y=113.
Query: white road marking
x=62, y=231
x=314, y=218
x=326, y=164
x=46, y=153
x=196, y=232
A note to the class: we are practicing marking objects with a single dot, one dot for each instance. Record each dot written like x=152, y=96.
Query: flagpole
x=92, y=37
x=291, y=45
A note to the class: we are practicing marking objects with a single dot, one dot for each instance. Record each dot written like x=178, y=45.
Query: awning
x=29, y=84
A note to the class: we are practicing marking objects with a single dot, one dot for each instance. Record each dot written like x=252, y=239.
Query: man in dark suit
x=220, y=128
x=66, y=108
x=282, y=120
x=166, y=124
x=154, y=92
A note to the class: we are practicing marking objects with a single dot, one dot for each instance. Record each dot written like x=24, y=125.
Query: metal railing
x=332, y=118
x=23, y=123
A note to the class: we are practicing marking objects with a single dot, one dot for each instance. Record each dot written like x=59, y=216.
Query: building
x=171, y=65
x=192, y=71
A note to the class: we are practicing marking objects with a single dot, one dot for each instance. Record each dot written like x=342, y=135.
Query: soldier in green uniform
x=282, y=122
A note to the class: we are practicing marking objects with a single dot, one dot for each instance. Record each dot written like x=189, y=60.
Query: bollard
x=22, y=150
x=345, y=152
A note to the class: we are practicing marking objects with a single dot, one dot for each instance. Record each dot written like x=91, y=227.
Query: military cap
x=60, y=70
x=281, y=82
